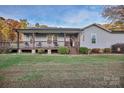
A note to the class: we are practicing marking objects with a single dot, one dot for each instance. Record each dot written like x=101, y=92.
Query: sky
x=60, y=16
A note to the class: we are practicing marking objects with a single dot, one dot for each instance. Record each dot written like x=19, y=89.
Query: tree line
x=115, y=16
x=7, y=27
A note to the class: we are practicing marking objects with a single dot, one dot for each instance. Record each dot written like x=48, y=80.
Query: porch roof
x=49, y=30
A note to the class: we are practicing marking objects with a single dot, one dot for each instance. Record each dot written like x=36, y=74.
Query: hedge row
x=65, y=50
x=61, y=50
x=116, y=48
x=5, y=51
x=99, y=50
x=84, y=50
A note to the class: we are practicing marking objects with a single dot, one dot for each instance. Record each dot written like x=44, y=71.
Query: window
x=27, y=37
x=55, y=38
x=93, y=38
x=49, y=39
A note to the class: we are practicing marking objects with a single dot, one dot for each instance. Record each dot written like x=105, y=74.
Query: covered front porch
x=49, y=40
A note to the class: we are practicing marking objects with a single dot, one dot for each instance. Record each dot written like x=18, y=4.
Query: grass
x=8, y=60
x=31, y=76
x=2, y=78
x=27, y=70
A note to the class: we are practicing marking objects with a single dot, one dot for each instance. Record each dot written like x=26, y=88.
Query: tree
x=13, y=24
x=4, y=30
x=1, y=18
x=117, y=26
x=6, y=33
x=24, y=23
x=37, y=25
x=1, y=37
x=7, y=26
x=114, y=13
x=43, y=26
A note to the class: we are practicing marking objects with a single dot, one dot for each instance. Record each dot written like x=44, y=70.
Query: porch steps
x=73, y=50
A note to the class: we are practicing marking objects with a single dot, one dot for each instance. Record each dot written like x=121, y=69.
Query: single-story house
x=92, y=36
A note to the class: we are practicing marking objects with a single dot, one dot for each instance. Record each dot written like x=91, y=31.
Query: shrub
x=8, y=51
x=117, y=48
x=83, y=50
x=63, y=50
x=40, y=51
x=5, y=51
x=89, y=51
x=1, y=51
x=95, y=50
x=107, y=50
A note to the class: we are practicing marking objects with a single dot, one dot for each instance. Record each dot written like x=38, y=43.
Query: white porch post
x=33, y=51
x=19, y=51
x=49, y=51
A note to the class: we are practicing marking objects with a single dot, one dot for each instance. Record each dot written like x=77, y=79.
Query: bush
x=40, y=51
x=8, y=50
x=63, y=50
x=95, y=50
x=117, y=48
x=5, y=51
x=107, y=50
x=1, y=51
x=83, y=50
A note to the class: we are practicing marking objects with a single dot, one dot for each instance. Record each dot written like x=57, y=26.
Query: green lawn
x=9, y=60
x=27, y=70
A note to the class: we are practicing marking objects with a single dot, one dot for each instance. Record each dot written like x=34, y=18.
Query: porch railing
x=28, y=44
x=36, y=44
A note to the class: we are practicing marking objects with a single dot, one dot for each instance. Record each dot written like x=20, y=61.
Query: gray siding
x=104, y=38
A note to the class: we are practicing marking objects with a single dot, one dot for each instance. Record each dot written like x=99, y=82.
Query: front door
x=72, y=41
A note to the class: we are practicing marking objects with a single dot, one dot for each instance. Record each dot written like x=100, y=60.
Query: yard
x=27, y=70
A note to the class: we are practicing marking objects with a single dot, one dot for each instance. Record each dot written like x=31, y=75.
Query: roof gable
x=97, y=25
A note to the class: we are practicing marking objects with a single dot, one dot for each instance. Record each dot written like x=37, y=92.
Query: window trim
x=95, y=37
x=52, y=38
x=83, y=37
